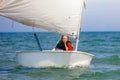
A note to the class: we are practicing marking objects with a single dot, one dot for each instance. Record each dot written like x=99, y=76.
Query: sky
x=99, y=15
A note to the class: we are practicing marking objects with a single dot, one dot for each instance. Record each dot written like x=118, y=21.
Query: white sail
x=61, y=16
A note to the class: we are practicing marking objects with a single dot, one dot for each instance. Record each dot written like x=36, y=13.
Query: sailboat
x=60, y=16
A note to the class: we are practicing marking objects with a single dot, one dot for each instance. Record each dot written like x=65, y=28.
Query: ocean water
x=104, y=66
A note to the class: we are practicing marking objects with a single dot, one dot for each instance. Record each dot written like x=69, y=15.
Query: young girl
x=64, y=44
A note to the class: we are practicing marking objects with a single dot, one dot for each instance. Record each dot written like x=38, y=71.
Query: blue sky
x=102, y=15
x=99, y=15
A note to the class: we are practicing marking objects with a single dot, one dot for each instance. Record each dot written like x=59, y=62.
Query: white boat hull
x=41, y=59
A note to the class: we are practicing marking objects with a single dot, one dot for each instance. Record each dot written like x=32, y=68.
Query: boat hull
x=41, y=59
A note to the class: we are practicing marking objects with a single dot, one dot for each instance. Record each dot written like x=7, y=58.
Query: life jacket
x=70, y=46
x=67, y=47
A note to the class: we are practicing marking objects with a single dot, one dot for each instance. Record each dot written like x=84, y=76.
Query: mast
x=77, y=41
x=79, y=30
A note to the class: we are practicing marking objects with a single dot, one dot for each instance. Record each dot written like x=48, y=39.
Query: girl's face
x=64, y=38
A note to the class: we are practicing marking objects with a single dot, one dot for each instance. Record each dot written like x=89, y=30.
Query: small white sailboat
x=61, y=16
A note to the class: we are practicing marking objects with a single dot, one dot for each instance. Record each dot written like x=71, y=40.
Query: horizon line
x=49, y=31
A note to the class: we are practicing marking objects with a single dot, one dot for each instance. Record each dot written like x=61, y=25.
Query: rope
x=36, y=37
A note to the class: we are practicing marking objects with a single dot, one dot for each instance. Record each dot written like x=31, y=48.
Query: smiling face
x=64, y=38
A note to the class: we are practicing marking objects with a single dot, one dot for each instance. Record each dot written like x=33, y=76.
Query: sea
x=105, y=46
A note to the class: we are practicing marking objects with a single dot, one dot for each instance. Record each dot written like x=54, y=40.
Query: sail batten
x=61, y=16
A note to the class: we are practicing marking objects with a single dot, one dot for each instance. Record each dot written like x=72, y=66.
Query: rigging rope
x=38, y=43
x=36, y=37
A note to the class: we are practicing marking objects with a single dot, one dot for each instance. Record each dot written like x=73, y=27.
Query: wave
x=105, y=75
x=112, y=60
